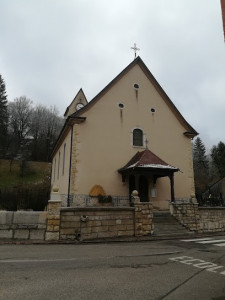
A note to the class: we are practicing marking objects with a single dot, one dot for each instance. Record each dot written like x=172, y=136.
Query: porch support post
x=136, y=179
x=171, y=176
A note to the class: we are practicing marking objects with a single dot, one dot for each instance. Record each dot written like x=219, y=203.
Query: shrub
x=104, y=199
x=31, y=197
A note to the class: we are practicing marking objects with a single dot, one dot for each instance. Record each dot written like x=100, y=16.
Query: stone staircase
x=165, y=225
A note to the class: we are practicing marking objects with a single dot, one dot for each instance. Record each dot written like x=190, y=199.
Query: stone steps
x=167, y=225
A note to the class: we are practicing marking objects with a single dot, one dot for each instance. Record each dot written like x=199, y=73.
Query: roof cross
x=135, y=50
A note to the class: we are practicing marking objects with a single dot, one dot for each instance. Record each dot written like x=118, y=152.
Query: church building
x=129, y=137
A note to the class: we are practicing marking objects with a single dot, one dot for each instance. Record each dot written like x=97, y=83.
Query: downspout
x=171, y=176
x=71, y=147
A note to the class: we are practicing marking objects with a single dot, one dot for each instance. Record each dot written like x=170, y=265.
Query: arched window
x=137, y=137
x=64, y=156
x=58, y=166
x=54, y=169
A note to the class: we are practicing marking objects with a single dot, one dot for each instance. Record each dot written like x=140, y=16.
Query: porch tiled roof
x=147, y=159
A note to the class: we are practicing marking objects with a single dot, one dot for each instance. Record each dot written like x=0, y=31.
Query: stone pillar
x=53, y=220
x=134, y=197
x=143, y=216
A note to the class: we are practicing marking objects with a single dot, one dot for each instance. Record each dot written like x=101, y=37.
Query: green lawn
x=34, y=172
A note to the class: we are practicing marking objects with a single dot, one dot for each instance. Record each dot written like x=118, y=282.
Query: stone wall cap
x=148, y=202
x=211, y=208
x=54, y=201
x=107, y=208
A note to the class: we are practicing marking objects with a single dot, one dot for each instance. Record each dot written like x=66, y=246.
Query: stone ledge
x=212, y=208
x=93, y=209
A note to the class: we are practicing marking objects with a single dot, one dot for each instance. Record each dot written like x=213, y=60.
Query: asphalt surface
x=169, y=269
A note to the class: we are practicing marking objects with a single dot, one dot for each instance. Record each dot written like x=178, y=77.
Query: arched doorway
x=143, y=189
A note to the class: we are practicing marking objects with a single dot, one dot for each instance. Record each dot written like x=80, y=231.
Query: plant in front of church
x=98, y=192
x=104, y=199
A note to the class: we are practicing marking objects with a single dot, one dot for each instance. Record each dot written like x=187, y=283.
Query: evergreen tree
x=201, y=166
x=201, y=163
x=3, y=117
x=218, y=158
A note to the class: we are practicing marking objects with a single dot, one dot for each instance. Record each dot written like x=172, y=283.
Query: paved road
x=173, y=269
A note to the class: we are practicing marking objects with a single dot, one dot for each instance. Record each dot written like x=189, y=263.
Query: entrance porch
x=142, y=173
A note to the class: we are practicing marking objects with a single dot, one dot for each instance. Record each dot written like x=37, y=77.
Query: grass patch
x=34, y=173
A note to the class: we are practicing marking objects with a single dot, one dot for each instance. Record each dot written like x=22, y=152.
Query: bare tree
x=20, y=118
x=45, y=128
x=33, y=130
x=54, y=124
x=20, y=111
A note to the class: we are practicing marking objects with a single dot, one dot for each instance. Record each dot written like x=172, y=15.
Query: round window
x=121, y=105
x=152, y=109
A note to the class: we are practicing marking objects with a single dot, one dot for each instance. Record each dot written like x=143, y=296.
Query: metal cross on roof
x=135, y=50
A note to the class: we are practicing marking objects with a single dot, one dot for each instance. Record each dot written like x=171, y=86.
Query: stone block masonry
x=187, y=213
x=143, y=218
x=96, y=222
x=212, y=219
x=105, y=222
x=85, y=223
x=199, y=219
x=25, y=225
x=53, y=220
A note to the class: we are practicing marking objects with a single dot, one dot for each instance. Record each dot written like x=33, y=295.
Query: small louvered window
x=137, y=137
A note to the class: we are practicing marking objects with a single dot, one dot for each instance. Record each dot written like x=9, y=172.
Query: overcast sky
x=49, y=49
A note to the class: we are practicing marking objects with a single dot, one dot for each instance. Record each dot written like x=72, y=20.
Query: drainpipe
x=71, y=147
x=171, y=176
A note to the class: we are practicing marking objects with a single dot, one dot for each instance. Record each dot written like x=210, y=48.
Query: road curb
x=106, y=240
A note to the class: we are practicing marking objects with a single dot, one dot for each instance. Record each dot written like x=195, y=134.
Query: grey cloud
x=51, y=48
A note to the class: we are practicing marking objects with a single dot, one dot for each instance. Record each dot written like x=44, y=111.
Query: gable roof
x=190, y=131
x=77, y=117
x=81, y=98
x=146, y=160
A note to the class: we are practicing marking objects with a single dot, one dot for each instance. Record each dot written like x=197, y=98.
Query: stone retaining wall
x=199, y=219
x=187, y=213
x=96, y=222
x=212, y=219
x=84, y=223
x=27, y=225
x=105, y=222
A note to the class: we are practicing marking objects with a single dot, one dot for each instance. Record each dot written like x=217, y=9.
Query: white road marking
x=205, y=265
x=210, y=241
x=208, y=266
x=194, y=240
x=36, y=260
x=220, y=245
x=214, y=268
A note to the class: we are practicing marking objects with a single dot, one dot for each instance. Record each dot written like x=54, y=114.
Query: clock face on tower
x=79, y=106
